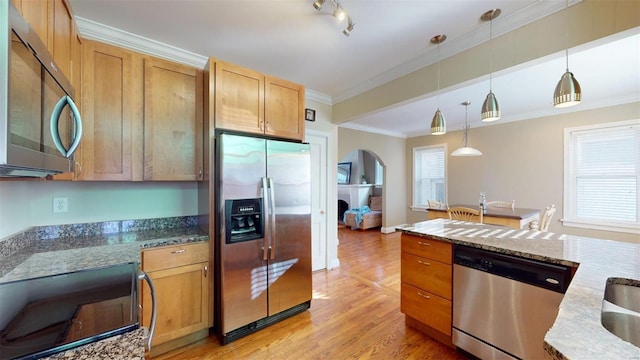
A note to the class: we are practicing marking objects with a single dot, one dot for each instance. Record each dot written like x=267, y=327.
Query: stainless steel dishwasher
x=503, y=305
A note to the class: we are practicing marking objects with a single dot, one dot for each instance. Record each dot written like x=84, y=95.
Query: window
x=429, y=175
x=602, y=176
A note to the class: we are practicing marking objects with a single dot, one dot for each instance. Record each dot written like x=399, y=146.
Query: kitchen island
x=577, y=332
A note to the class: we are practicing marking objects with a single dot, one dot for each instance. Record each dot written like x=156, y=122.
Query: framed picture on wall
x=344, y=172
x=309, y=114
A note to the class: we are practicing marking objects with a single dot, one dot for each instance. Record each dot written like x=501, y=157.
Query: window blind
x=429, y=175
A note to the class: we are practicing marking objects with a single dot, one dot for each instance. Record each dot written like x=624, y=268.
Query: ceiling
x=291, y=40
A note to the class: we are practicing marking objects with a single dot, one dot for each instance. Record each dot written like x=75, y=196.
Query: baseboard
x=387, y=230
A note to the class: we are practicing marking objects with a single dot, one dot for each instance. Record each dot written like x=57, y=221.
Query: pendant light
x=438, y=124
x=490, y=108
x=568, y=92
x=466, y=149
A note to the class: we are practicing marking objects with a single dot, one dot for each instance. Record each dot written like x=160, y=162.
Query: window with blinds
x=429, y=175
x=602, y=176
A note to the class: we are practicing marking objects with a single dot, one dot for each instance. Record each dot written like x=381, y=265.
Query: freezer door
x=242, y=287
x=288, y=222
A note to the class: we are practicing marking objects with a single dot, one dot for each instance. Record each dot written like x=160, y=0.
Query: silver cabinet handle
x=424, y=263
x=206, y=270
x=424, y=296
x=423, y=243
x=179, y=251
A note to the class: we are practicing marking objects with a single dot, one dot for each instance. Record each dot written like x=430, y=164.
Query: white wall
x=30, y=203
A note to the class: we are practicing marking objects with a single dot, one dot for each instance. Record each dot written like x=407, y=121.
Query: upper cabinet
x=111, y=147
x=172, y=121
x=142, y=117
x=248, y=101
x=53, y=21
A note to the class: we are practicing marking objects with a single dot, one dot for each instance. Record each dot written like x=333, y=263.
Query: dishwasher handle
x=152, y=327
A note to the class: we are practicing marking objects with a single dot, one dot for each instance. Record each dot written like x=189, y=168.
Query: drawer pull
x=424, y=296
x=424, y=263
x=179, y=251
x=423, y=243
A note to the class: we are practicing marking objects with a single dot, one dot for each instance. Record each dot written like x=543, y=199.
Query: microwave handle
x=55, y=118
x=152, y=327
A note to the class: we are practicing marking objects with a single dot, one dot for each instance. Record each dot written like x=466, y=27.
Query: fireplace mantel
x=356, y=195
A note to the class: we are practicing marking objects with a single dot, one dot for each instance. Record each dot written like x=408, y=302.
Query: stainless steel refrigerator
x=263, y=239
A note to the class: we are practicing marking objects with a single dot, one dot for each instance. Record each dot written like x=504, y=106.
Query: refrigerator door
x=243, y=271
x=288, y=221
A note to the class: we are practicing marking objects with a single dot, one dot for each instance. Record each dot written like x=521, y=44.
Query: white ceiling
x=291, y=40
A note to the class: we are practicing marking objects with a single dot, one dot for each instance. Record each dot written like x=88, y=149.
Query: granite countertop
x=577, y=332
x=128, y=346
x=46, y=257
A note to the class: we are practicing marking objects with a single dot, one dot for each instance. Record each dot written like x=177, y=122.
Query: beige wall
x=521, y=161
x=30, y=203
x=391, y=153
x=588, y=21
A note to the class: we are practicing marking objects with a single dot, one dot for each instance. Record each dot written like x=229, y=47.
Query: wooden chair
x=502, y=204
x=464, y=213
x=545, y=219
x=435, y=204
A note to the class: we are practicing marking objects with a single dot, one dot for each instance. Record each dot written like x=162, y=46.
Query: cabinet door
x=182, y=300
x=60, y=45
x=172, y=121
x=239, y=94
x=111, y=148
x=284, y=108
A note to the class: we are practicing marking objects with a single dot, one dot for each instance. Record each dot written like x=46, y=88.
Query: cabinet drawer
x=167, y=257
x=426, y=274
x=430, y=309
x=427, y=248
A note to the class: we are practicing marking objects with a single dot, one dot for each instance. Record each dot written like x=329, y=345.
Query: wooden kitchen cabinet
x=426, y=295
x=248, y=101
x=111, y=147
x=173, y=121
x=180, y=274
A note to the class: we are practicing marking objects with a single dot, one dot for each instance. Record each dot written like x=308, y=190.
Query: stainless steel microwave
x=40, y=125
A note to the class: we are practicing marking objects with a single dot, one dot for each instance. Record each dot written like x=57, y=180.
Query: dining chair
x=435, y=204
x=545, y=219
x=502, y=204
x=464, y=213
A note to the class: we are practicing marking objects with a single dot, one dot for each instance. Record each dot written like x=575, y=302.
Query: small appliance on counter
x=43, y=316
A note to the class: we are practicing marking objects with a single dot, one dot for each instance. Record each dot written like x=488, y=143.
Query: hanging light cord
x=491, y=53
x=438, y=75
x=566, y=36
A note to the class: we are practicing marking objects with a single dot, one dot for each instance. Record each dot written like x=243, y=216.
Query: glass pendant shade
x=568, y=92
x=490, y=108
x=466, y=151
x=438, y=124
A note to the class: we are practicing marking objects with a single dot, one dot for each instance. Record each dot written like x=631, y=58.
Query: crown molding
x=359, y=127
x=313, y=95
x=454, y=46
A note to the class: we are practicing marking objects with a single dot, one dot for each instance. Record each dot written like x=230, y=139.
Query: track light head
x=349, y=28
x=339, y=13
x=318, y=4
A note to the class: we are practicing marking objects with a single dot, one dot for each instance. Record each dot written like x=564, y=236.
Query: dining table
x=517, y=218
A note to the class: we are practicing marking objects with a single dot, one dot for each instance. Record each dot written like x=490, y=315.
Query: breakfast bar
x=577, y=331
x=517, y=218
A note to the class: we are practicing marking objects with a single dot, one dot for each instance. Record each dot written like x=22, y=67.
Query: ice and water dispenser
x=243, y=220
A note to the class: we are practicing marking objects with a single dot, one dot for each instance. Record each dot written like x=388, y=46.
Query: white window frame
x=570, y=217
x=423, y=207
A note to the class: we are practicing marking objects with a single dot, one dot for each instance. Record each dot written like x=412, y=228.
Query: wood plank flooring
x=354, y=314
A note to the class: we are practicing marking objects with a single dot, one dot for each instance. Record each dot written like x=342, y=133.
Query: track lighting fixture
x=438, y=124
x=347, y=31
x=568, y=92
x=490, y=107
x=318, y=4
x=339, y=13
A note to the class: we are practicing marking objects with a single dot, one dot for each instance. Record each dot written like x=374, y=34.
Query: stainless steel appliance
x=263, y=240
x=46, y=315
x=503, y=305
x=40, y=126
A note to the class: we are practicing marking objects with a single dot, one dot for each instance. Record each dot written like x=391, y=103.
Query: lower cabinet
x=426, y=295
x=180, y=274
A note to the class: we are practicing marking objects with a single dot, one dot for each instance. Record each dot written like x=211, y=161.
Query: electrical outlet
x=60, y=205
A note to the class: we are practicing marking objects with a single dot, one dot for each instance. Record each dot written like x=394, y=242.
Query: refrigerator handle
x=272, y=218
x=265, y=200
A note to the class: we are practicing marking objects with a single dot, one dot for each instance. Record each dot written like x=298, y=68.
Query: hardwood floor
x=354, y=314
